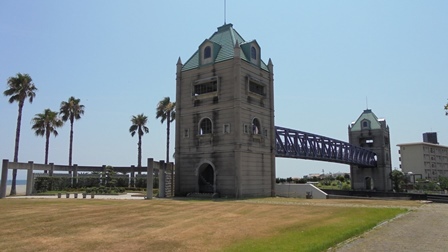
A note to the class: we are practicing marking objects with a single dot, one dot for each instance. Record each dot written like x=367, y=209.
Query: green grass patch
x=265, y=224
x=319, y=235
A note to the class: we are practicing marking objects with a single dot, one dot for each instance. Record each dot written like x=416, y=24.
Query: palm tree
x=19, y=89
x=45, y=124
x=71, y=110
x=138, y=126
x=166, y=111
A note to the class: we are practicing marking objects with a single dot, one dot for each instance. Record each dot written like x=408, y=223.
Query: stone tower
x=371, y=133
x=225, y=139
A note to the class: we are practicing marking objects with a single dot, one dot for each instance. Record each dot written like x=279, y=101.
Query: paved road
x=424, y=229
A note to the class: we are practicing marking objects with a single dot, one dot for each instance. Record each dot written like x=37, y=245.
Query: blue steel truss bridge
x=303, y=145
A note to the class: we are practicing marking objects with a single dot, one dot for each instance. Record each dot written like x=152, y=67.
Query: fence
x=152, y=167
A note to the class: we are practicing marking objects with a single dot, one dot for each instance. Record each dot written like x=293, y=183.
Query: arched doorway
x=369, y=183
x=206, y=178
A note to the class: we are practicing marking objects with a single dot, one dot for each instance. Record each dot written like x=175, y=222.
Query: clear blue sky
x=119, y=58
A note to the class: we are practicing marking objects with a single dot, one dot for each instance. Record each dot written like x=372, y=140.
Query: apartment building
x=427, y=158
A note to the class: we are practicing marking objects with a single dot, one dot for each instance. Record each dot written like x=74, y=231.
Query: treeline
x=322, y=181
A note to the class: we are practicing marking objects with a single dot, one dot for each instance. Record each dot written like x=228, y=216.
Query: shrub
x=346, y=186
x=88, y=180
x=302, y=181
x=141, y=182
x=122, y=182
x=44, y=184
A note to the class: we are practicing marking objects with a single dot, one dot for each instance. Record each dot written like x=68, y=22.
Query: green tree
x=397, y=178
x=109, y=174
x=443, y=182
x=139, y=126
x=71, y=110
x=166, y=111
x=45, y=124
x=347, y=176
x=20, y=88
x=340, y=178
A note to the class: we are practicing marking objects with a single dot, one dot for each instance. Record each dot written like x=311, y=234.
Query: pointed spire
x=237, y=50
x=270, y=66
x=237, y=44
x=179, y=65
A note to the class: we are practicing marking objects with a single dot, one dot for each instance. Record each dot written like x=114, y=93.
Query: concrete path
x=424, y=229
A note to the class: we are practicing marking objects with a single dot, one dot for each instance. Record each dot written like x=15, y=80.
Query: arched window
x=365, y=124
x=253, y=53
x=205, y=126
x=256, y=127
x=207, y=52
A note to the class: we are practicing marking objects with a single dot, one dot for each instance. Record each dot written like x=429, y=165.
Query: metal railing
x=303, y=145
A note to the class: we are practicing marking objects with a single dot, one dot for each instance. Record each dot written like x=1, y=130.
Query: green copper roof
x=366, y=115
x=224, y=39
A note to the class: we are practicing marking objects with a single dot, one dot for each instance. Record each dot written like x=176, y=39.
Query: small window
x=186, y=133
x=207, y=52
x=205, y=126
x=365, y=124
x=265, y=133
x=256, y=129
x=253, y=53
x=226, y=129
x=246, y=129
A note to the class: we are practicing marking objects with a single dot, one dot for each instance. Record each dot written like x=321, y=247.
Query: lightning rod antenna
x=225, y=5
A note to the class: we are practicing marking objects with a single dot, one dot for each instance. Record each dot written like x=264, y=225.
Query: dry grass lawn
x=162, y=225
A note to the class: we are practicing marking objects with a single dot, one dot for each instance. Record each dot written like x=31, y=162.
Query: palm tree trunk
x=16, y=149
x=168, y=150
x=167, y=138
x=47, y=146
x=139, y=161
x=70, y=149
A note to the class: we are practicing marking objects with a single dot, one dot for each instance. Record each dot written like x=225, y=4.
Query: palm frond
x=46, y=122
x=71, y=109
x=138, y=125
x=20, y=87
x=165, y=109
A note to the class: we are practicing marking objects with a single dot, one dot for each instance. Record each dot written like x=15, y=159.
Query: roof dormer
x=221, y=47
x=252, y=52
x=208, y=51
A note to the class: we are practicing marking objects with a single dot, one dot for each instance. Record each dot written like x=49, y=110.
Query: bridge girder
x=303, y=145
